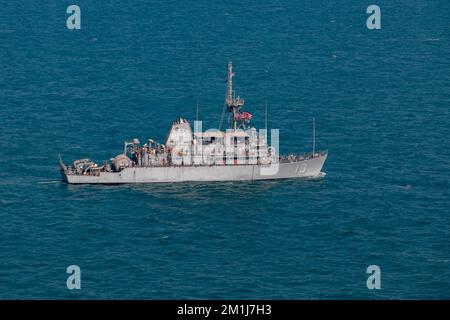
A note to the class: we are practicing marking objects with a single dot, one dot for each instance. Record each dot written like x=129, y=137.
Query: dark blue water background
x=381, y=102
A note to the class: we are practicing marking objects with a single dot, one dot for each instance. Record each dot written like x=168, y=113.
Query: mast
x=234, y=104
x=229, y=97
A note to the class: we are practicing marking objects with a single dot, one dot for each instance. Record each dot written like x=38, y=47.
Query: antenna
x=223, y=114
x=265, y=115
x=197, y=110
x=314, y=136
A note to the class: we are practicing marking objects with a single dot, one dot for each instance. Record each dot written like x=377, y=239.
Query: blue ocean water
x=380, y=98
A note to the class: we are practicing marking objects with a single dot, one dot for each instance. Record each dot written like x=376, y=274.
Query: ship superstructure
x=240, y=152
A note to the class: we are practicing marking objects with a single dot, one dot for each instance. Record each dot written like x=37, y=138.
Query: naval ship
x=238, y=153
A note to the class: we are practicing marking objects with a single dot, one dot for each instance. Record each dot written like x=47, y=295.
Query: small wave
x=405, y=187
x=439, y=260
x=49, y=182
x=14, y=201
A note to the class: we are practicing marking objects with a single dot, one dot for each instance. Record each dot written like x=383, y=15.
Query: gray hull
x=310, y=168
